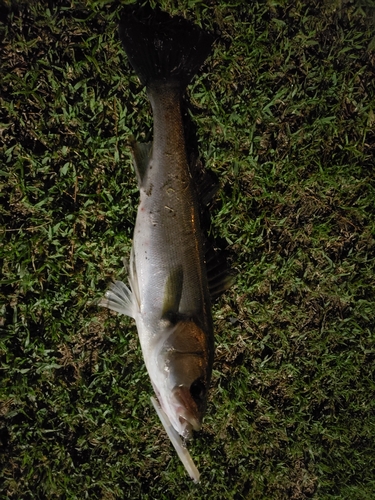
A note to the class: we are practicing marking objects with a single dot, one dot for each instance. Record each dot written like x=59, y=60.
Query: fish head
x=185, y=369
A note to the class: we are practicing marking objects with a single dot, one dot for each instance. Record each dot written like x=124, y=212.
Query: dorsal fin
x=218, y=274
x=119, y=298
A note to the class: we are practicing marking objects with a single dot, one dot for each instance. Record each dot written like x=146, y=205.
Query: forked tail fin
x=163, y=48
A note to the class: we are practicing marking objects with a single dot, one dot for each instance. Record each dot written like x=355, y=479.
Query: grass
x=285, y=116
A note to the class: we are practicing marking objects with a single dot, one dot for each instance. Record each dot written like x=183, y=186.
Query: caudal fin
x=161, y=47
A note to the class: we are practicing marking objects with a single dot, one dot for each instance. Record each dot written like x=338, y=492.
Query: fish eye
x=198, y=389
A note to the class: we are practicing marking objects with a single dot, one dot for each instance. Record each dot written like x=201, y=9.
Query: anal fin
x=141, y=159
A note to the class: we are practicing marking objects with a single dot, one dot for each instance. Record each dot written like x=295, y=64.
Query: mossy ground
x=285, y=116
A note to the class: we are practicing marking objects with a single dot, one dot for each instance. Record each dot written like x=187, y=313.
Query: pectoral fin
x=173, y=293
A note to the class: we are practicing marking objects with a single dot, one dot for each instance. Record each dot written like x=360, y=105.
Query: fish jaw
x=179, y=446
x=181, y=410
x=188, y=414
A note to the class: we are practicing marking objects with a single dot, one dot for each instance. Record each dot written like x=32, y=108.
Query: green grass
x=285, y=116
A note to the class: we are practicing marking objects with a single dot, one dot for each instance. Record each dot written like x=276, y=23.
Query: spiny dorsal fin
x=119, y=298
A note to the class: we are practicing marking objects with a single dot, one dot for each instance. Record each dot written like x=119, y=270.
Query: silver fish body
x=174, y=317
x=169, y=296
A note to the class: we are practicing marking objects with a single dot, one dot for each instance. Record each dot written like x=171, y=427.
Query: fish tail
x=162, y=48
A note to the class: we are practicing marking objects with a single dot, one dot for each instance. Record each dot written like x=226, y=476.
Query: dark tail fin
x=161, y=47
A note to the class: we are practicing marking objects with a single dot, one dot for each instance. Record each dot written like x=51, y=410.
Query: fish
x=168, y=293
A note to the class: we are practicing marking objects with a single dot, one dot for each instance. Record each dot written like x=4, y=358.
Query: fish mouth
x=182, y=411
x=187, y=412
x=187, y=425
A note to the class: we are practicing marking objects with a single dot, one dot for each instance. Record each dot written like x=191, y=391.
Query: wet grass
x=285, y=116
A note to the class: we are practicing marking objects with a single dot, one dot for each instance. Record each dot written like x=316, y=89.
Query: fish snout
x=187, y=412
